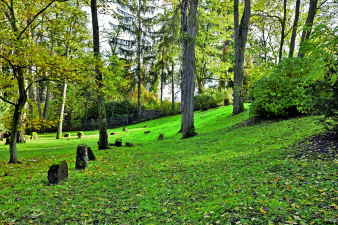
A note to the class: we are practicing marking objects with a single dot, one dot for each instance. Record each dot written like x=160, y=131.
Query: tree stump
x=67, y=135
x=58, y=173
x=91, y=156
x=81, y=157
x=80, y=134
x=128, y=144
x=34, y=135
x=118, y=142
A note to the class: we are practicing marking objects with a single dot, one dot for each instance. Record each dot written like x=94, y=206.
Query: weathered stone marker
x=128, y=144
x=58, y=173
x=91, y=156
x=67, y=135
x=161, y=136
x=81, y=157
x=118, y=142
x=34, y=135
x=124, y=129
x=80, y=134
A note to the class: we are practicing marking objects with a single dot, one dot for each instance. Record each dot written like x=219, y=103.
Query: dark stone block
x=67, y=135
x=112, y=133
x=118, y=142
x=58, y=173
x=147, y=132
x=91, y=156
x=128, y=144
x=81, y=157
x=161, y=137
x=80, y=134
x=124, y=129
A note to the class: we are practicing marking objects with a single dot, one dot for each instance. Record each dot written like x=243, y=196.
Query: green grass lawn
x=228, y=174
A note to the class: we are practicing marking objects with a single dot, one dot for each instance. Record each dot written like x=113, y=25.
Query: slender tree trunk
x=189, y=69
x=103, y=135
x=283, y=33
x=38, y=99
x=18, y=107
x=172, y=89
x=308, y=25
x=184, y=42
x=162, y=78
x=294, y=30
x=139, y=62
x=32, y=98
x=45, y=110
x=241, y=34
x=62, y=109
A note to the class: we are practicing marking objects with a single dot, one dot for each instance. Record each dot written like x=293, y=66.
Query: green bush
x=212, y=98
x=112, y=109
x=284, y=92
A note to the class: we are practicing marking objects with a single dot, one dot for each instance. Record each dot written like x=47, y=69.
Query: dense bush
x=112, y=109
x=284, y=92
x=212, y=98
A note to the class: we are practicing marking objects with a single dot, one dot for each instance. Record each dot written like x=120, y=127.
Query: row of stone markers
x=59, y=172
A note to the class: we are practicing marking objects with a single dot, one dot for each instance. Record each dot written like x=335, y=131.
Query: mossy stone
x=80, y=134
x=118, y=142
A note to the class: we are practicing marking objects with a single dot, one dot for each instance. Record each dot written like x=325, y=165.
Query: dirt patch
x=323, y=146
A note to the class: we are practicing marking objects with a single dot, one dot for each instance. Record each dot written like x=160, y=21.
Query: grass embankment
x=227, y=174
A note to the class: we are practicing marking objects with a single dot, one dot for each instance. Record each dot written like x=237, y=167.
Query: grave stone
x=81, y=157
x=58, y=173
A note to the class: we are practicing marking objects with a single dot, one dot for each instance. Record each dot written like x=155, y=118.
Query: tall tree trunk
x=38, y=99
x=283, y=33
x=32, y=98
x=189, y=69
x=18, y=107
x=162, y=78
x=308, y=25
x=294, y=30
x=45, y=110
x=184, y=42
x=172, y=89
x=241, y=34
x=103, y=135
x=139, y=62
x=62, y=109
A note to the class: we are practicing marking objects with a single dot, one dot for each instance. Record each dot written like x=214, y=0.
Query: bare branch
x=5, y=100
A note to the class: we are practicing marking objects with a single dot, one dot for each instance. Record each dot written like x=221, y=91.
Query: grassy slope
x=224, y=175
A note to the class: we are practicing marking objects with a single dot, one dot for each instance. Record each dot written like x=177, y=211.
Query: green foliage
x=112, y=109
x=283, y=92
x=212, y=98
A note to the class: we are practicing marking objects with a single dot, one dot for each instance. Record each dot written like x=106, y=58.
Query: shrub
x=284, y=92
x=211, y=98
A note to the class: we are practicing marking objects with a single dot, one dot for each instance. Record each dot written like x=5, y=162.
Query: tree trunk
x=162, y=78
x=294, y=30
x=18, y=107
x=184, y=42
x=45, y=110
x=308, y=25
x=241, y=34
x=139, y=62
x=103, y=135
x=172, y=89
x=283, y=33
x=32, y=98
x=62, y=109
x=189, y=69
x=38, y=99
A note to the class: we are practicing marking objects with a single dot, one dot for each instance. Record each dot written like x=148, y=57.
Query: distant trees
x=18, y=52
